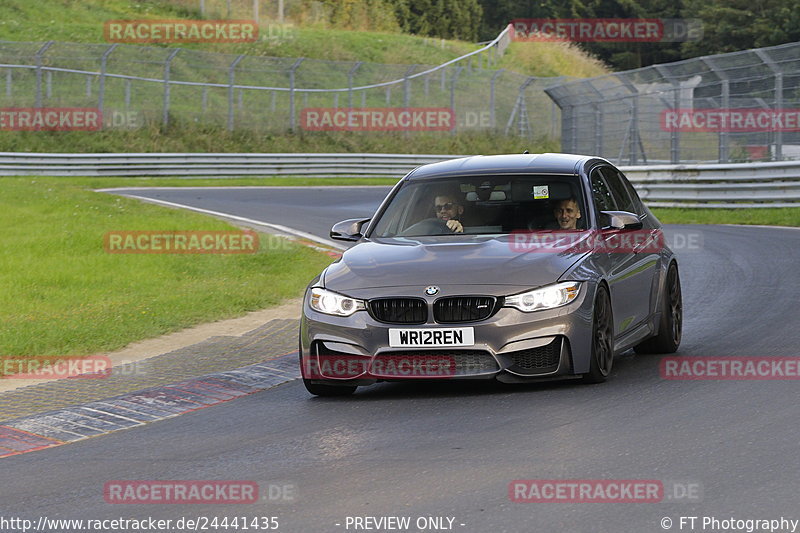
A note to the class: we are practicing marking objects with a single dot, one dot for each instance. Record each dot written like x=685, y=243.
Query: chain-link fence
x=268, y=94
x=735, y=107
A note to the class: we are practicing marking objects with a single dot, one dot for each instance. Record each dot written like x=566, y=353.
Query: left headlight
x=332, y=303
x=547, y=297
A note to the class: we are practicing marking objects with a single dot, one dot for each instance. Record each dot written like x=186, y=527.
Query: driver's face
x=567, y=214
x=447, y=208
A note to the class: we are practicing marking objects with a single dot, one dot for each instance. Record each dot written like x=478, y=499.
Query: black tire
x=671, y=324
x=318, y=389
x=602, y=338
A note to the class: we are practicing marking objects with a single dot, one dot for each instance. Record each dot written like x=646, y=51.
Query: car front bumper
x=509, y=346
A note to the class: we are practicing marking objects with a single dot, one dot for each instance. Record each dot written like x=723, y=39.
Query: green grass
x=62, y=294
x=82, y=21
x=216, y=139
x=780, y=216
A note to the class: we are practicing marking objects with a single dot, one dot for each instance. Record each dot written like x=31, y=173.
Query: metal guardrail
x=775, y=184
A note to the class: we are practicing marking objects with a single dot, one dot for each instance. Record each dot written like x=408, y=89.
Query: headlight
x=332, y=303
x=545, y=297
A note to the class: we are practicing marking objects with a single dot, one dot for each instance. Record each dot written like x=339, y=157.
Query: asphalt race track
x=451, y=450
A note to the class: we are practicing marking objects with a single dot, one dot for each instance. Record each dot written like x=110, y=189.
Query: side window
x=637, y=202
x=601, y=195
x=618, y=189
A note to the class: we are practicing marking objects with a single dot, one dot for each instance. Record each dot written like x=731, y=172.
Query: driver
x=449, y=210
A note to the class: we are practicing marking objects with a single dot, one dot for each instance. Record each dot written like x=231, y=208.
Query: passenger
x=567, y=212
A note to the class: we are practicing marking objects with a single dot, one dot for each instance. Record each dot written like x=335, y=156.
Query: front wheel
x=602, y=338
x=671, y=324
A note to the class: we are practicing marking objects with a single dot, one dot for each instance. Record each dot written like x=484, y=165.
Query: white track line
x=276, y=227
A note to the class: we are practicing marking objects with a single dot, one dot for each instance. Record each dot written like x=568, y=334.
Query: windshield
x=484, y=205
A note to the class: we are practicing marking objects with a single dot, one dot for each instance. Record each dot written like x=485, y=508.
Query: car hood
x=448, y=261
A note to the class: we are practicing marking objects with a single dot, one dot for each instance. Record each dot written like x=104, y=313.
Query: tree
x=449, y=19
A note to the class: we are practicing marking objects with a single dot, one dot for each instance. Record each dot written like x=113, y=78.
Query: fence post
x=407, y=85
x=492, y=113
x=778, y=103
x=350, y=75
x=101, y=91
x=167, y=63
x=38, y=56
x=8, y=82
x=453, y=97
x=724, y=149
x=231, y=90
x=291, y=93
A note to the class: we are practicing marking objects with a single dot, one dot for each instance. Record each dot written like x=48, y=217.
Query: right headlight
x=333, y=303
x=547, y=297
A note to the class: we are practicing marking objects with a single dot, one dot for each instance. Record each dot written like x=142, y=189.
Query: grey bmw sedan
x=511, y=267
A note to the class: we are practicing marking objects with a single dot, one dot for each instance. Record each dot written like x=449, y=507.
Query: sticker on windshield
x=540, y=192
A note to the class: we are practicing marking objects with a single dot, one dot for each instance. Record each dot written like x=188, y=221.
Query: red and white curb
x=71, y=424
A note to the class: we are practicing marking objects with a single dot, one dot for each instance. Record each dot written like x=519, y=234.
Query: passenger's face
x=567, y=214
x=447, y=208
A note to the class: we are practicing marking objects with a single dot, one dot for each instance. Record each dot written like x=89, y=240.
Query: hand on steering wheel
x=455, y=226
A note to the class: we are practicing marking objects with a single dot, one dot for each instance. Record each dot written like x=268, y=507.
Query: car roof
x=548, y=163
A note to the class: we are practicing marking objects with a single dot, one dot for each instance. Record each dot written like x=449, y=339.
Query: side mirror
x=620, y=220
x=348, y=230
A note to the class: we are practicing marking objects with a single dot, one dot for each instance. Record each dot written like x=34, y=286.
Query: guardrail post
x=167, y=63
x=291, y=93
x=350, y=74
x=101, y=91
x=38, y=57
x=492, y=114
x=231, y=89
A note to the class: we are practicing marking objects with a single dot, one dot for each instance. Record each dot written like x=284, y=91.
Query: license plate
x=420, y=337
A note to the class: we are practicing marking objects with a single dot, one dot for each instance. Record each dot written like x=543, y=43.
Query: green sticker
x=540, y=192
